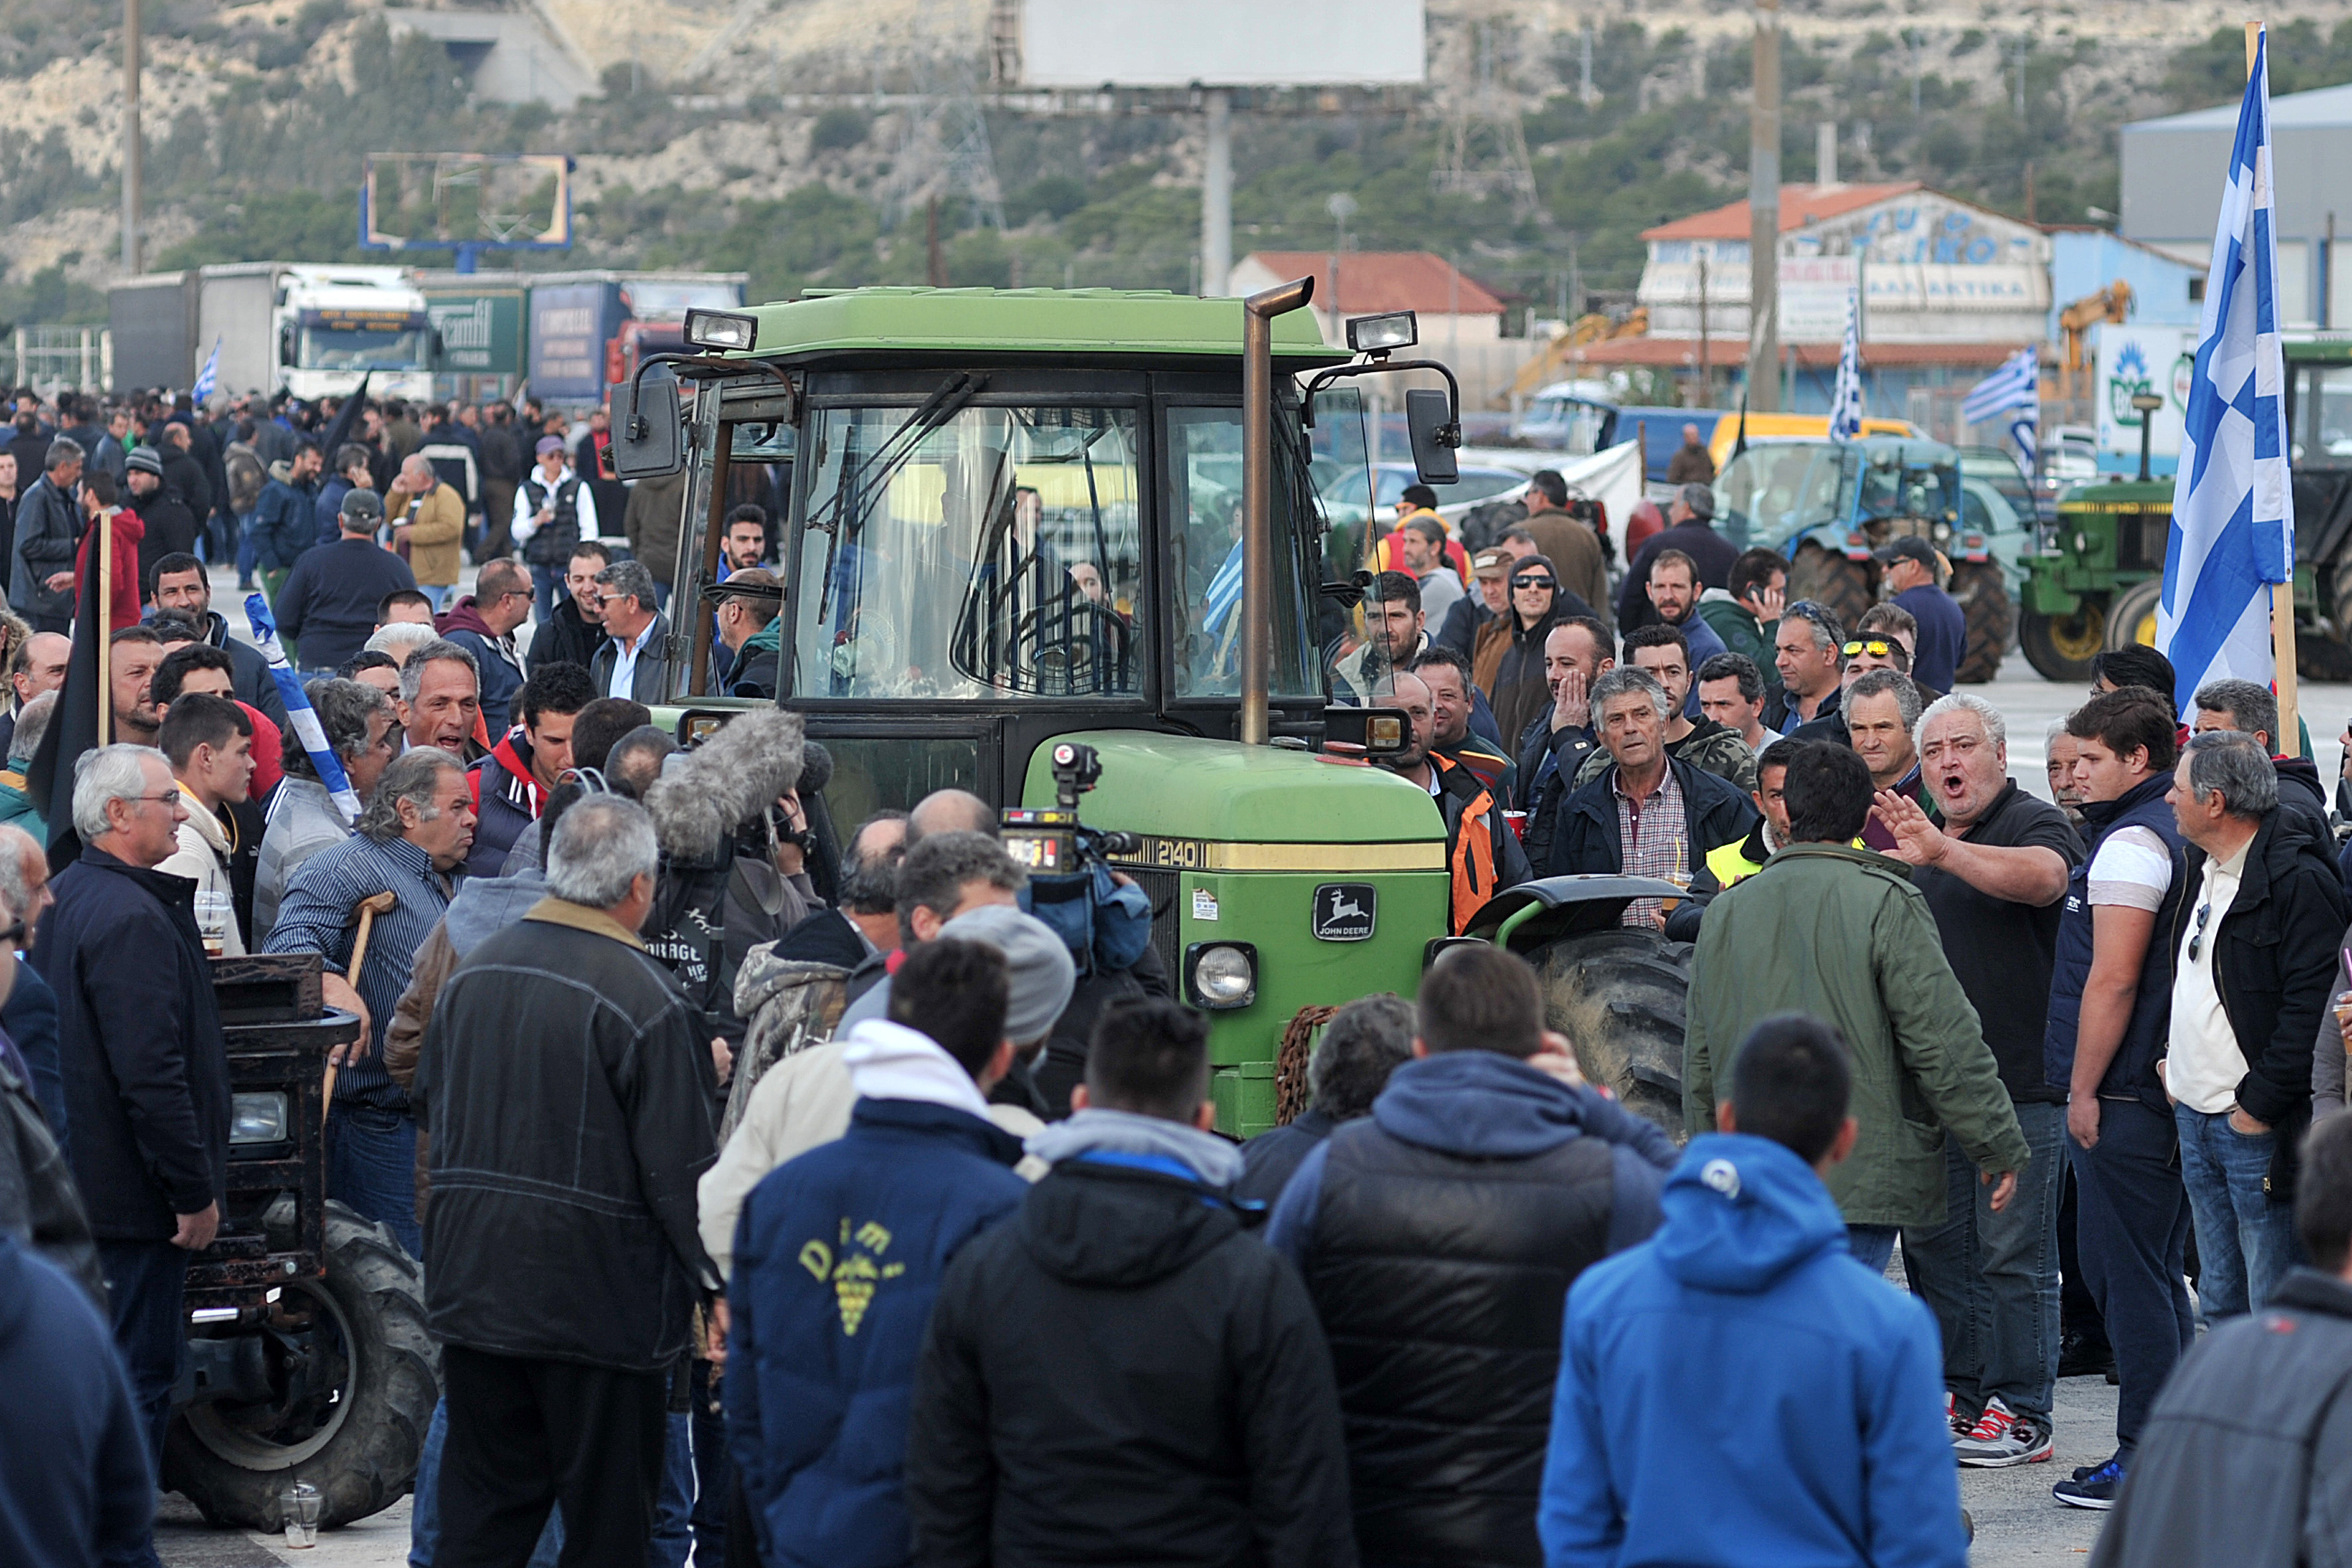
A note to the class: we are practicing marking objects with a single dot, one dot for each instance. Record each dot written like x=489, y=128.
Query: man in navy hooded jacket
x=1438, y=1237
x=838, y=1255
x=1744, y=1344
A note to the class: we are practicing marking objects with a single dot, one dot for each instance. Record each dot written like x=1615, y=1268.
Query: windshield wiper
x=898, y=447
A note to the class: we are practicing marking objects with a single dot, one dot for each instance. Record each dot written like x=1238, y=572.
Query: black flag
x=73, y=728
x=347, y=418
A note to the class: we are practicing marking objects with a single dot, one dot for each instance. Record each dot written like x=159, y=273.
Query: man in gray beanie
x=1690, y=528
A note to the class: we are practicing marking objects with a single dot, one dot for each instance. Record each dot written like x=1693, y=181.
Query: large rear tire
x=2131, y=622
x=2061, y=647
x=1984, y=599
x=353, y=1379
x=1619, y=997
x=1843, y=586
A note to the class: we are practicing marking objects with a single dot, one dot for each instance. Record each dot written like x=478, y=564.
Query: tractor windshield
x=1778, y=488
x=992, y=553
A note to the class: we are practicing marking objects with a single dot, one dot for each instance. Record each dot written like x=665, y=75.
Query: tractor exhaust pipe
x=1258, y=312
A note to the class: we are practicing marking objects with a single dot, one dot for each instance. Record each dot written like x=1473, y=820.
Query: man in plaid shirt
x=1648, y=815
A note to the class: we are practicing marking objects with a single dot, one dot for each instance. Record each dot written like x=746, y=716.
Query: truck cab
x=1015, y=518
x=334, y=324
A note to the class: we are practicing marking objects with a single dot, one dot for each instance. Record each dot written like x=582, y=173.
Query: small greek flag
x=2232, y=519
x=1225, y=596
x=1846, y=401
x=2016, y=384
x=300, y=716
x=208, y=378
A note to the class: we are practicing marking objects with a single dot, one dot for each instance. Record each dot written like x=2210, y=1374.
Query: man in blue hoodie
x=838, y=1257
x=1438, y=1237
x=1744, y=1344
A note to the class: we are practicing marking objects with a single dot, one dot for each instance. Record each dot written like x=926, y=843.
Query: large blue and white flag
x=2016, y=384
x=208, y=378
x=1845, y=399
x=2233, y=506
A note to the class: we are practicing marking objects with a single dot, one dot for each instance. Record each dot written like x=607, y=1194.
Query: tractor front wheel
x=2061, y=647
x=1984, y=599
x=1843, y=586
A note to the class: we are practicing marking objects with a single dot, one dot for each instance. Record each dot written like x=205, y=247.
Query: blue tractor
x=1828, y=505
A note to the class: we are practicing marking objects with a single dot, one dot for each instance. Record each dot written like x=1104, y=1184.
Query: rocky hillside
x=788, y=137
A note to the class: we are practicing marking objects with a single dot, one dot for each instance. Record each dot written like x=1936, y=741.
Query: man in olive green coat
x=1841, y=933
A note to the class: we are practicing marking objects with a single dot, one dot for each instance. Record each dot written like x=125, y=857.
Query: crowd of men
x=793, y=1197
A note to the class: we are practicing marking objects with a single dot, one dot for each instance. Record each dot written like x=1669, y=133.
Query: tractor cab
x=1011, y=522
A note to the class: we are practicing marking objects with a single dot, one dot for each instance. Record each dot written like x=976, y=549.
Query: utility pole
x=131, y=202
x=1764, y=216
x=1217, y=195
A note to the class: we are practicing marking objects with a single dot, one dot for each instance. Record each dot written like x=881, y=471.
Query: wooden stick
x=369, y=906
x=102, y=551
x=2289, y=740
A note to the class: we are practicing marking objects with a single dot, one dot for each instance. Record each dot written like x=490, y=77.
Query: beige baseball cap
x=1491, y=563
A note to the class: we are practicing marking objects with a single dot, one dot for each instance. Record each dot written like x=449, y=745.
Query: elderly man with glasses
x=146, y=1071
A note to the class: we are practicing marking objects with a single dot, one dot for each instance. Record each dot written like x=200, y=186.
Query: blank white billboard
x=1221, y=43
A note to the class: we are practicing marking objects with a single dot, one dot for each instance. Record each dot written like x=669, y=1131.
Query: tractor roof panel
x=1056, y=322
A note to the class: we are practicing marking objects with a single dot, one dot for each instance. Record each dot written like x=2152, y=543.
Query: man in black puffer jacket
x=1438, y=1237
x=1199, y=1425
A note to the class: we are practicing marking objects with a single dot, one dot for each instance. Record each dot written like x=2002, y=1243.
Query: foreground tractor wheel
x=2132, y=618
x=352, y=1378
x=1984, y=600
x=2061, y=647
x=1619, y=996
x=1843, y=586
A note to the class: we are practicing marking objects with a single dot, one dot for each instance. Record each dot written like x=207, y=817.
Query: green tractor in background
x=1828, y=505
x=1034, y=534
x=2096, y=576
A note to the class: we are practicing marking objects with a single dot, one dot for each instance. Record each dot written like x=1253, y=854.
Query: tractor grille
x=2140, y=541
x=1162, y=886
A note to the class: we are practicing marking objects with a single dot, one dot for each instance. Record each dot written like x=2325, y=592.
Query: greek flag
x=1845, y=400
x=300, y=716
x=1225, y=594
x=2232, y=518
x=208, y=378
x=2017, y=384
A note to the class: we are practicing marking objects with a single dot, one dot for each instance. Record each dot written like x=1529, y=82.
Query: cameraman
x=1101, y=915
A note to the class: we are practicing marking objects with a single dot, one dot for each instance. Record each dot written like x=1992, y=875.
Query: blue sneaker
x=2096, y=1489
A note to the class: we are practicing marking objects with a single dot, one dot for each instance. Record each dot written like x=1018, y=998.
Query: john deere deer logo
x=853, y=1267
x=1344, y=911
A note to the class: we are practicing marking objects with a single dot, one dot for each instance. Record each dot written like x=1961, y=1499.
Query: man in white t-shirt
x=2255, y=965
x=2110, y=992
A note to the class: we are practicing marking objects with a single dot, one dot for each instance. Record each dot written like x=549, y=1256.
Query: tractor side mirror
x=1370, y=733
x=646, y=429
x=1429, y=415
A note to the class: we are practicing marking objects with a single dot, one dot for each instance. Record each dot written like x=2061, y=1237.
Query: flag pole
x=98, y=547
x=2289, y=740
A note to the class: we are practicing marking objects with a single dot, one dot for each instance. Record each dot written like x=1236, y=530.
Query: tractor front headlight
x=1221, y=976
x=257, y=1118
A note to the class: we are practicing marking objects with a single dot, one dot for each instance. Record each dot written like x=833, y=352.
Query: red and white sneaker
x=1960, y=1424
x=2002, y=1438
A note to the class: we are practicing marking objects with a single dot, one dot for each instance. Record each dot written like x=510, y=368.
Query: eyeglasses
x=1873, y=647
x=1532, y=581
x=156, y=799
x=2197, y=937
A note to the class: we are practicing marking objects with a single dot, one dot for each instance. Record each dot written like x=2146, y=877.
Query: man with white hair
x=428, y=516
x=568, y=1092
x=1993, y=872
x=146, y=1072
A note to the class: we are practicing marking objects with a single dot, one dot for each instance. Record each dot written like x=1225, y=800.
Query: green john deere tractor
x=1017, y=521
x=2096, y=576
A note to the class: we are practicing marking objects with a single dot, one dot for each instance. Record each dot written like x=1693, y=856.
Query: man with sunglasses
x=483, y=624
x=1911, y=574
